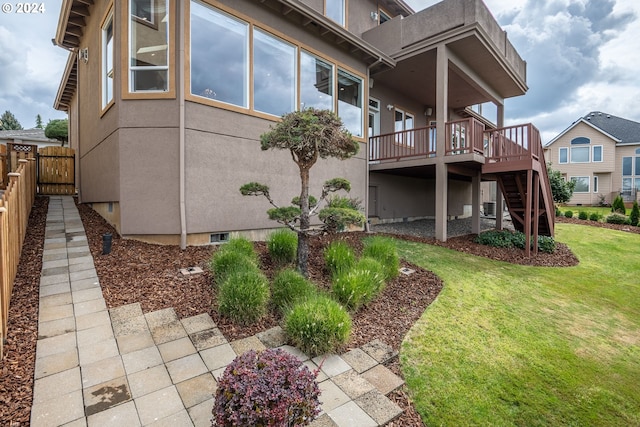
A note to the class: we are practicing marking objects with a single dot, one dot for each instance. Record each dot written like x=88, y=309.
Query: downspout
x=366, y=179
x=181, y=130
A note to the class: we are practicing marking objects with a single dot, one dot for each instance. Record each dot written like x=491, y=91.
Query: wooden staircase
x=515, y=159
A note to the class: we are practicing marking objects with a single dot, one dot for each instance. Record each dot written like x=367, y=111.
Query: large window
x=580, y=154
x=149, y=46
x=350, y=102
x=219, y=56
x=316, y=82
x=631, y=174
x=107, y=60
x=582, y=184
x=336, y=10
x=274, y=74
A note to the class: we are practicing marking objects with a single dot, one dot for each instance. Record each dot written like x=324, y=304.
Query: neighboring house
x=601, y=153
x=167, y=100
x=27, y=136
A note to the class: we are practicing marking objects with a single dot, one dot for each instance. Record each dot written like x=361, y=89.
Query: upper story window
x=107, y=60
x=148, y=46
x=316, y=82
x=563, y=155
x=597, y=153
x=336, y=10
x=383, y=16
x=631, y=174
x=350, y=102
x=580, y=150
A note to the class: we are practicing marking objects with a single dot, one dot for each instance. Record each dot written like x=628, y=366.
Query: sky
x=582, y=56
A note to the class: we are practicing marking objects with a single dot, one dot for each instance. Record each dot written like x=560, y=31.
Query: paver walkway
x=120, y=367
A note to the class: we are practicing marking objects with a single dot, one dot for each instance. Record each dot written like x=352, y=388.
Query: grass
x=514, y=345
x=600, y=210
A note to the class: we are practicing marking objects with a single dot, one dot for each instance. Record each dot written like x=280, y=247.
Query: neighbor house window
x=350, y=102
x=316, y=83
x=149, y=46
x=580, y=150
x=595, y=184
x=336, y=10
x=631, y=172
x=274, y=74
x=107, y=60
x=563, y=155
x=582, y=184
x=219, y=56
x=597, y=153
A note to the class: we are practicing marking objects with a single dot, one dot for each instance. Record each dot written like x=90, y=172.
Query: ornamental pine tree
x=310, y=135
x=39, y=124
x=57, y=129
x=9, y=122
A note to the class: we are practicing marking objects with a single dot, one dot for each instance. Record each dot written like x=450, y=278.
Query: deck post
x=475, y=202
x=442, y=84
x=527, y=214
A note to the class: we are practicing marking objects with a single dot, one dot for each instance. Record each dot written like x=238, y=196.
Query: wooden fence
x=56, y=171
x=15, y=207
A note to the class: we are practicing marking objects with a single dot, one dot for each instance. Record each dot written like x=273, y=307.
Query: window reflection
x=274, y=74
x=335, y=9
x=219, y=56
x=149, y=45
x=316, y=83
x=107, y=62
x=350, y=102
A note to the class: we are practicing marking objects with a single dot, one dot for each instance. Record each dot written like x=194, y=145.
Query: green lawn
x=602, y=211
x=513, y=345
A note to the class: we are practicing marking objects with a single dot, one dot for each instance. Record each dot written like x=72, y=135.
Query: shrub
x=283, y=246
x=318, y=325
x=338, y=257
x=383, y=250
x=243, y=296
x=558, y=211
x=495, y=238
x=225, y=262
x=241, y=245
x=269, y=388
x=618, y=205
x=634, y=216
x=360, y=285
x=568, y=214
x=290, y=287
x=617, y=218
x=583, y=215
x=546, y=244
x=594, y=216
x=518, y=239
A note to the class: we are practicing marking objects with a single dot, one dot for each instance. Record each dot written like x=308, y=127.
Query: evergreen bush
x=583, y=215
x=568, y=214
x=339, y=257
x=290, y=287
x=282, y=245
x=618, y=205
x=383, y=250
x=634, y=216
x=546, y=244
x=318, y=325
x=244, y=296
x=268, y=388
x=617, y=218
x=594, y=216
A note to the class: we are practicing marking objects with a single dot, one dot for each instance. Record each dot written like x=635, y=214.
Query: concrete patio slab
x=383, y=379
x=149, y=380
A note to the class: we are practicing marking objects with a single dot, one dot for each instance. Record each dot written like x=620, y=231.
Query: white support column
x=499, y=199
x=475, y=201
x=442, y=84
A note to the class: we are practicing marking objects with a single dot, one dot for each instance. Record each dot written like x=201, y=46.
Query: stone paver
x=116, y=367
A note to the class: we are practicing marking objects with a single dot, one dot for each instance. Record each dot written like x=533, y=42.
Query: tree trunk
x=303, y=236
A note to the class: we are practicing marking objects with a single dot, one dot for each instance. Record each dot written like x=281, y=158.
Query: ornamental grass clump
x=283, y=245
x=318, y=325
x=268, y=388
x=359, y=285
x=244, y=296
x=290, y=287
x=617, y=218
x=225, y=262
x=339, y=257
x=384, y=250
x=241, y=245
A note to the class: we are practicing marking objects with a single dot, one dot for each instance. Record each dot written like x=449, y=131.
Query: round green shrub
x=384, y=250
x=282, y=245
x=339, y=257
x=594, y=216
x=289, y=287
x=318, y=325
x=546, y=244
x=617, y=218
x=225, y=262
x=568, y=214
x=243, y=296
x=269, y=388
x=583, y=215
x=356, y=287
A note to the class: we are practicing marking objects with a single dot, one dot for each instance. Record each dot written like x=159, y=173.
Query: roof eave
x=59, y=104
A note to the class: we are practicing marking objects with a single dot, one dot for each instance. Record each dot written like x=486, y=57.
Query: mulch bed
x=149, y=274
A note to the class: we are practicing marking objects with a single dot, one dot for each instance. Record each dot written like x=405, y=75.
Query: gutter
x=182, y=128
x=366, y=176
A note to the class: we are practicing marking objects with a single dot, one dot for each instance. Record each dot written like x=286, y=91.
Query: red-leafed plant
x=267, y=388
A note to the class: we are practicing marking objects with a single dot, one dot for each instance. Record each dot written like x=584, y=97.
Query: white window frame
x=593, y=154
x=566, y=150
x=133, y=68
x=108, y=85
x=588, y=179
x=583, y=147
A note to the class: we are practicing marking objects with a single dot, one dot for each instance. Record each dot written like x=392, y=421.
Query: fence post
x=5, y=293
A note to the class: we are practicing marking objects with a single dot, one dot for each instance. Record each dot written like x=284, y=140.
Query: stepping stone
x=383, y=379
x=176, y=349
x=198, y=323
x=353, y=384
x=351, y=414
x=295, y=352
x=274, y=337
x=121, y=415
x=359, y=360
x=161, y=317
x=125, y=312
x=218, y=357
x=379, y=407
x=197, y=390
x=331, y=364
x=208, y=338
x=323, y=420
x=167, y=332
x=245, y=344
x=106, y=395
x=380, y=351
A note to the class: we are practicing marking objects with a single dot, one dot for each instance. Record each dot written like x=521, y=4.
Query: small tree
x=309, y=134
x=39, y=124
x=618, y=205
x=561, y=189
x=9, y=122
x=58, y=129
x=634, y=216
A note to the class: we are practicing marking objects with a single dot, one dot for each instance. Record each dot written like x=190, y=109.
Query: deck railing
x=413, y=143
x=15, y=206
x=513, y=143
x=464, y=136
